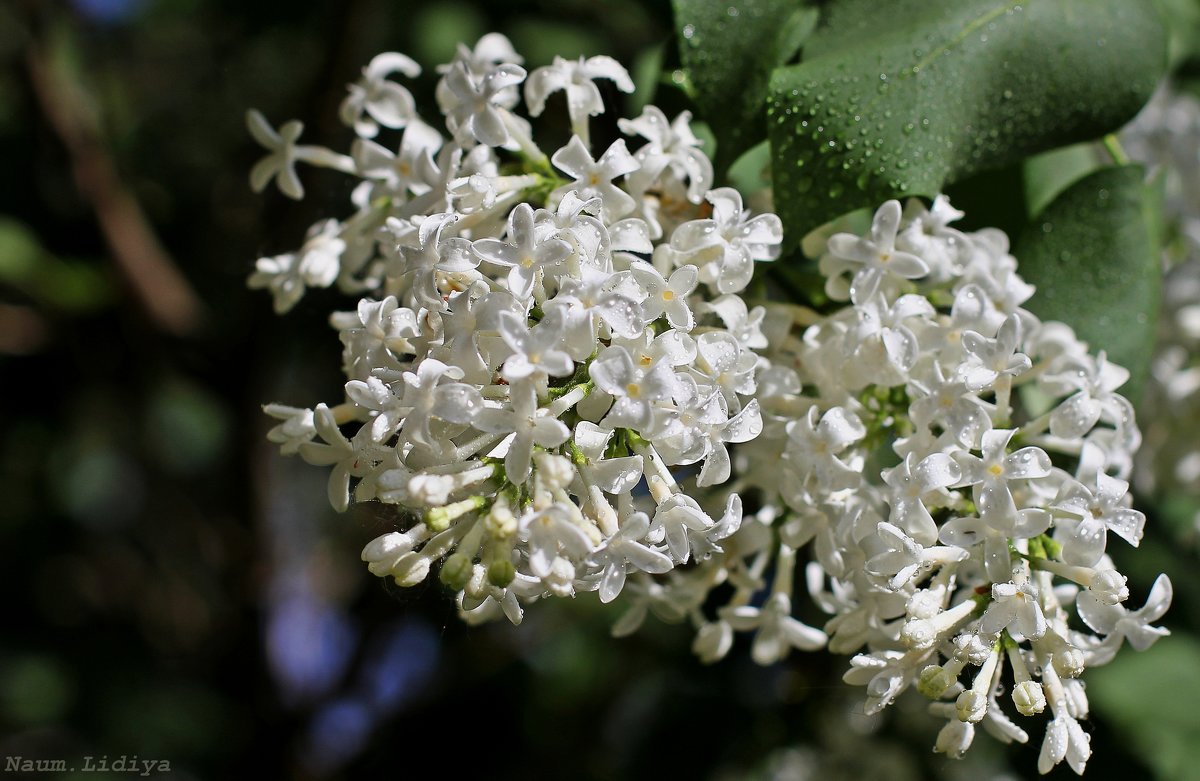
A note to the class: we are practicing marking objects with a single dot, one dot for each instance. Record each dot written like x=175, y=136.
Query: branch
x=156, y=282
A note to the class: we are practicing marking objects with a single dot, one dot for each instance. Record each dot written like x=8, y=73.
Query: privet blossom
x=556, y=375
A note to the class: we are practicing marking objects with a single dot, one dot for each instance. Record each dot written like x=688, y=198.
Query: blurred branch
x=157, y=283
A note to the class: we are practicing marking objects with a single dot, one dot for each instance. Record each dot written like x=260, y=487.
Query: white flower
x=990, y=359
x=993, y=472
x=968, y=532
x=667, y=297
x=320, y=257
x=281, y=275
x=673, y=146
x=1092, y=512
x=634, y=388
x=349, y=458
x=1016, y=609
x=525, y=253
x=432, y=254
x=612, y=475
x=375, y=335
x=594, y=178
x=625, y=549
x=577, y=78
x=726, y=245
x=929, y=237
x=537, y=353
x=1118, y=623
x=949, y=404
x=955, y=738
x=425, y=398
x=745, y=324
x=875, y=256
x=778, y=632
x=548, y=532
x=1096, y=381
x=815, y=442
x=395, y=175
x=476, y=106
x=727, y=365
x=530, y=426
x=374, y=100
x=910, y=482
x=1064, y=739
x=280, y=163
x=296, y=429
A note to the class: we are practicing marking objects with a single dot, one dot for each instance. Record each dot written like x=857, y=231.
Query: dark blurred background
x=178, y=591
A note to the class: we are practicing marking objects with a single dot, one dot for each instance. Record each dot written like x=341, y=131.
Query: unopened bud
x=971, y=706
x=411, y=569
x=501, y=572
x=438, y=519
x=1109, y=587
x=955, y=738
x=934, y=681
x=1029, y=698
x=919, y=634
x=456, y=571
x=713, y=641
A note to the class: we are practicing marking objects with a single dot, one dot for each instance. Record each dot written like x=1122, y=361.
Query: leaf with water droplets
x=1093, y=254
x=946, y=89
x=729, y=50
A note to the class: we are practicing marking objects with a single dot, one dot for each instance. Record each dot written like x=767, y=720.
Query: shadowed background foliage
x=178, y=591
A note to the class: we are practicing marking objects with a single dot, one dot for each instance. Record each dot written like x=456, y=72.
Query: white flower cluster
x=552, y=355
x=957, y=466
x=1166, y=135
x=537, y=336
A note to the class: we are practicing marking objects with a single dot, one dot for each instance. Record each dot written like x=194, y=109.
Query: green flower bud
x=456, y=571
x=501, y=572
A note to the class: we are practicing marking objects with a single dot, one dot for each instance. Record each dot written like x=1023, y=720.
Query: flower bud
x=1108, y=586
x=500, y=523
x=919, y=634
x=554, y=471
x=1029, y=698
x=411, y=569
x=971, y=706
x=934, y=681
x=456, y=571
x=925, y=603
x=713, y=641
x=501, y=573
x=955, y=738
x=1068, y=662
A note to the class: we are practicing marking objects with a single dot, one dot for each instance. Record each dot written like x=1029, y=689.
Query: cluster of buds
x=552, y=355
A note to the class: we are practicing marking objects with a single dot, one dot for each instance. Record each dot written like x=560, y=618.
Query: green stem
x=1113, y=147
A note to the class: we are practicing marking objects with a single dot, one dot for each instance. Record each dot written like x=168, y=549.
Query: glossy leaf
x=909, y=100
x=728, y=50
x=1093, y=254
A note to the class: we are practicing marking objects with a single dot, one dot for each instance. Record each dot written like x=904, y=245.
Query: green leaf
x=1151, y=698
x=911, y=99
x=1093, y=254
x=25, y=265
x=1048, y=174
x=728, y=50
